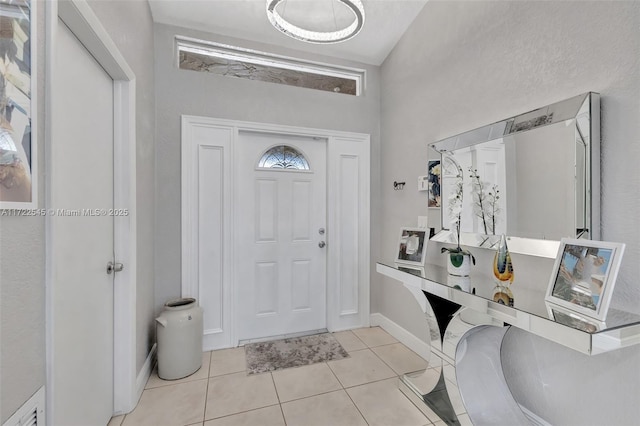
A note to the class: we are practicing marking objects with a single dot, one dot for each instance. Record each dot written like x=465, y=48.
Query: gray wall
x=130, y=25
x=194, y=93
x=22, y=239
x=22, y=326
x=465, y=64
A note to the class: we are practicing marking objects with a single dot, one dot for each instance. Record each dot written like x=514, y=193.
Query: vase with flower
x=459, y=260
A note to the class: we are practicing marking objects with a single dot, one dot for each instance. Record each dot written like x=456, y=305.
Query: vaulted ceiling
x=385, y=22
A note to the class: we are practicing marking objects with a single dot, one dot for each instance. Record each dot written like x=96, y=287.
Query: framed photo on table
x=18, y=151
x=584, y=275
x=412, y=247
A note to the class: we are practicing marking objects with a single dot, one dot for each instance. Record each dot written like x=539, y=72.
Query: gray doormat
x=292, y=352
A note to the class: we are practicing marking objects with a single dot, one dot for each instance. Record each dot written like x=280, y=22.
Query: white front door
x=280, y=221
x=81, y=236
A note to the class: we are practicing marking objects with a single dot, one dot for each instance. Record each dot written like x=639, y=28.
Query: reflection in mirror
x=574, y=320
x=533, y=176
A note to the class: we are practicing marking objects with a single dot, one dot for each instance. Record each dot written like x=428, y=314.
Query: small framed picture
x=569, y=318
x=412, y=248
x=584, y=275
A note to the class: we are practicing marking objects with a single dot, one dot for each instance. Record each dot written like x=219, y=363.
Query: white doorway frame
x=80, y=18
x=344, y=311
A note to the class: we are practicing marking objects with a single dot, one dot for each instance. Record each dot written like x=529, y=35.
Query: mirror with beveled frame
x=534, y=177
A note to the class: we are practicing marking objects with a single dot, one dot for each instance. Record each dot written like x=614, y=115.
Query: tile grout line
x=312, y=396
x=383, y=330
x=278, y=396
x=355, y=405
x=345, y=391
x=388, y=344
x=398, y=375
x=390, y=367
x=206, y=392
x=335, y=375
x=372, y=382
x=430, y=423
x=365, y=383
x=284, y=419
x=164, y=385
x=275, y=387
x=229, y=374
x=241, y=412
x=357, y=338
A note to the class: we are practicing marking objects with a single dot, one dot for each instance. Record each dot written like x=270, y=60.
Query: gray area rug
x=292, y=352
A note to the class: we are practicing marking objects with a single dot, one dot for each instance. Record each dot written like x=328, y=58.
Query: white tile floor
x=360, y=390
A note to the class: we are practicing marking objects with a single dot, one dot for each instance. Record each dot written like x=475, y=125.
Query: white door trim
x=340, y=145
x=80, y=18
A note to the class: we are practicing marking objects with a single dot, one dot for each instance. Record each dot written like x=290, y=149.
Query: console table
x=466, y=330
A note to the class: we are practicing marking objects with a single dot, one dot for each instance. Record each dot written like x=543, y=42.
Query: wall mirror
x=534, y=177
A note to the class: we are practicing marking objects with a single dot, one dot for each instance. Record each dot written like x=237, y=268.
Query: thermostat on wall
x=423, y=183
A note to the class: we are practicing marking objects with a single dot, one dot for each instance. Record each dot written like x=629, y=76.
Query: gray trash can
x=179, y=332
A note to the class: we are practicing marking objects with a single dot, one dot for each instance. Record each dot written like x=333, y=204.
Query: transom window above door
x=283, y=157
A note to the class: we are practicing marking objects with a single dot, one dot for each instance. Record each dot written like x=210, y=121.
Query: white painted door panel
x=349, y=206
x=280, y=267
x=81, y=244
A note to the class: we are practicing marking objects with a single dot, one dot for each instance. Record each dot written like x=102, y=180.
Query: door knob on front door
x=114, y=267
x=321, y=244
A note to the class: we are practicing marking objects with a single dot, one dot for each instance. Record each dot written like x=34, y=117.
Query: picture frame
x=584, y=275
x=18, y=141
x=574, y=320
x=434, y=176
x=412, y=246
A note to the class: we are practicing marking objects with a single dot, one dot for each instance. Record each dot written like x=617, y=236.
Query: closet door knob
x=114, y=267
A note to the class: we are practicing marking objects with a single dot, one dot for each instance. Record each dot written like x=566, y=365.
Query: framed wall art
x=18, y=151
x=412, y=248
x=584, y=276
x=433, y=174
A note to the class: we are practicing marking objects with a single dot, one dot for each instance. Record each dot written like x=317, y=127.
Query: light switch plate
x=423, y=183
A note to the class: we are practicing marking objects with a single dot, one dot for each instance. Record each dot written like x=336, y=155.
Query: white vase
x=456, y=268
x=179, y=331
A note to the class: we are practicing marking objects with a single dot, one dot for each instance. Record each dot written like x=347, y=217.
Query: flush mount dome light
x=320, y=37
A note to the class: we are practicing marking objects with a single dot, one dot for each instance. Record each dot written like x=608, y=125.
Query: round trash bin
x=179, y=333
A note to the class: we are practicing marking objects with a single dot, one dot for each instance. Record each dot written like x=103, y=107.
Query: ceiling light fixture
x=318, y=36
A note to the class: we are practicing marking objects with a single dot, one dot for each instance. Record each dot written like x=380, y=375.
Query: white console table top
x=530, y=312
